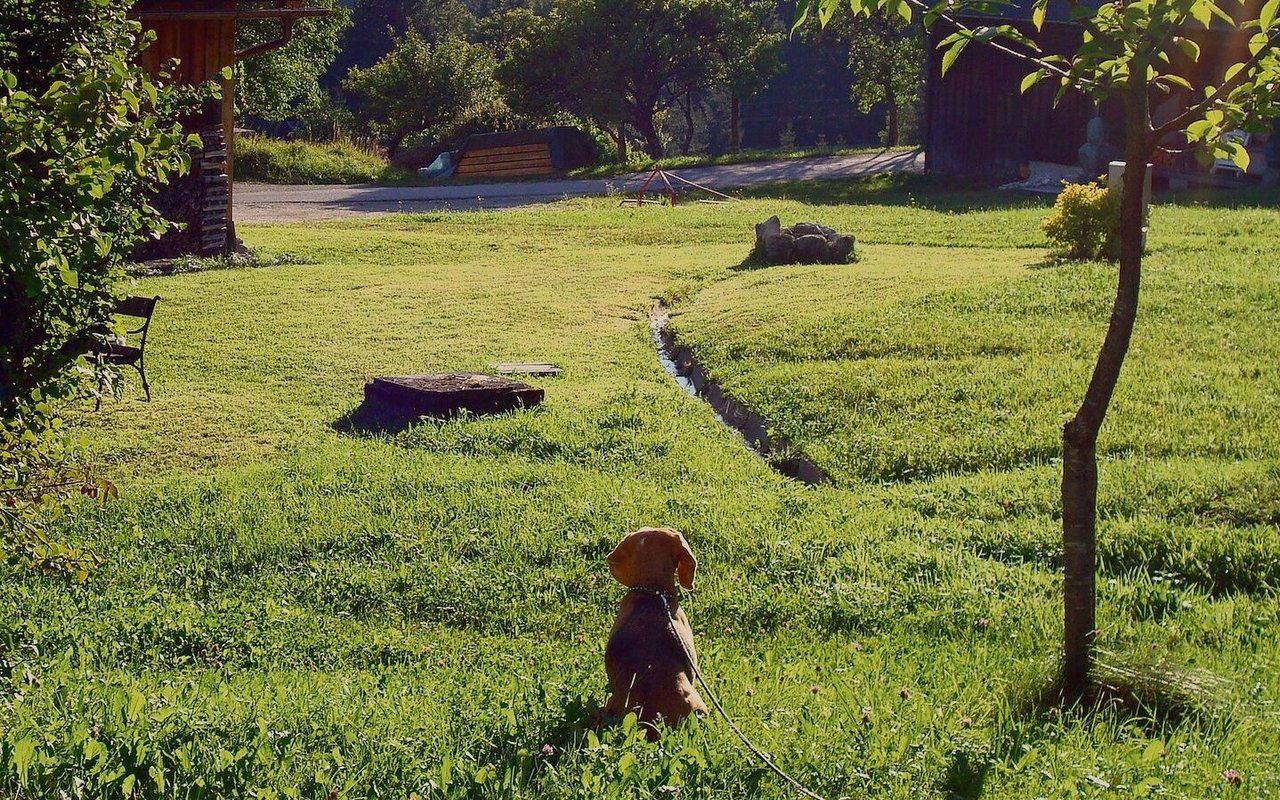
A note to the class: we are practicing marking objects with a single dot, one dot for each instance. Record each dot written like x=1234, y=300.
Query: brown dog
x=649, y=671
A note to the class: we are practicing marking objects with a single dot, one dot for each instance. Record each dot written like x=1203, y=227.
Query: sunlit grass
x=289, y=609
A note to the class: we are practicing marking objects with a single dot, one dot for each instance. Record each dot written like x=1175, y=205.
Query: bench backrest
x=134, y=306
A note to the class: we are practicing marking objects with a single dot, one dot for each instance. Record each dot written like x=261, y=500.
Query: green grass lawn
x=290, y=611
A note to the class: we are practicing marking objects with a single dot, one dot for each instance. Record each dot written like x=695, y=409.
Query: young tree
x=419, y=88
x=86, y=135
x=750, y=53
x=1130, y=50
x=886, y=55
x=282, y=83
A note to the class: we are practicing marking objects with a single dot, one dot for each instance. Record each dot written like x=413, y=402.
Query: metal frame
x=128, y=307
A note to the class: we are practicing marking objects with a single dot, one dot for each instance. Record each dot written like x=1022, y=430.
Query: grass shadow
x=966, y=774
x=962, y=195
x=367, y=420
x=1152, y=696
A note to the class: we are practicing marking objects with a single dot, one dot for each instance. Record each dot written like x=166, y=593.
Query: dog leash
x=760, y=755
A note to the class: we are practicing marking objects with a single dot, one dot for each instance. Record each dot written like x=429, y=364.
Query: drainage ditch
x=689, y=374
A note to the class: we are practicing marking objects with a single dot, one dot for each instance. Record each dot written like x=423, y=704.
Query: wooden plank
x=505, y=165
x=535, y=157
x=513, y=173
x=512, y=150
x=500, y=167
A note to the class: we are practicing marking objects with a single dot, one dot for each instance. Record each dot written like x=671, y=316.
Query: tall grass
x=259, y=158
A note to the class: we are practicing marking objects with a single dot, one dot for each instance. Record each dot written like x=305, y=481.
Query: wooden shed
x=195, y=41
x=979, y=123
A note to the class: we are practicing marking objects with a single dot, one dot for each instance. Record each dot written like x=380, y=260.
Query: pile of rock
x=802, y=243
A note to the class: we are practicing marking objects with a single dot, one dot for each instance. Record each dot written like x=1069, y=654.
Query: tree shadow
x=928, y=191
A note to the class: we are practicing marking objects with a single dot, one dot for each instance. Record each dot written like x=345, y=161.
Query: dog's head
x=650, y=556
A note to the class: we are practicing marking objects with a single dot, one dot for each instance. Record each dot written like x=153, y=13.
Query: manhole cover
x=446, y=393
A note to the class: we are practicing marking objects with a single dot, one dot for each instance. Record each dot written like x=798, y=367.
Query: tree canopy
x=285, y=82
x=625, y=62
x=424, y=89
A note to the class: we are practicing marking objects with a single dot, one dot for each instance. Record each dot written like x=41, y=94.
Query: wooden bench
x=111, y=350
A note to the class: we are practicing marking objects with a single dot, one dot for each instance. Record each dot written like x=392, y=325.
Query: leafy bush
x=86, y=135
x=1085, y=222
x=39, y=474
x=258, y=158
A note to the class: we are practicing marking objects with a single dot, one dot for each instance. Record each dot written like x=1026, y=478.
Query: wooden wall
x=203, y=47
x=979, y=123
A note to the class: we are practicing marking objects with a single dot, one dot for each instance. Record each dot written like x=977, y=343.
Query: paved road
x=259, y=202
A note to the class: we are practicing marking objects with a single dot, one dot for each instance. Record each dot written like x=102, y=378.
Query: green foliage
x=39, y=474
x=1085, y=222
x=259, y=158
x=285, y=82
x=428, y=90
x=85, y=135
x=624, y=63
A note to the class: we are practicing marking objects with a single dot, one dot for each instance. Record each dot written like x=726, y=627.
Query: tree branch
x=1030, y=59
x=1231, y=84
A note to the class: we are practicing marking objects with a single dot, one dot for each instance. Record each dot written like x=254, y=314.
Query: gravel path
x=259, y=202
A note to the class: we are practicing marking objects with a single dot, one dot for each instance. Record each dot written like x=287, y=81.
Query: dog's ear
x=620, y=559
x=686, y=564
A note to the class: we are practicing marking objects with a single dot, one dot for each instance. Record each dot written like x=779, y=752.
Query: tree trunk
x=1080, y=435
x=621, y=139
x=891, y=134
x=394, y=144
x=735, y=135
x=686, y=109
x=649, y=132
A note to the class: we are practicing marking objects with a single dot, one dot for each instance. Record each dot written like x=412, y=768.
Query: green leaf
x=1189, y=47
x=1239, y=155
x=1267, y=17
x=1153, y=752
x=126, y=785
x=1038, y=13
x=625, y=763
x=802, y=15
x=1200, y=12
x=1031, y=79
x=1177, y=80
x=949, y=57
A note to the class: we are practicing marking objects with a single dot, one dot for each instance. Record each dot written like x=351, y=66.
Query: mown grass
x=287, y=610
x=266, y=160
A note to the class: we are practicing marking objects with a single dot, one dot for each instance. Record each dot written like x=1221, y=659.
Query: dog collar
x=668, y=599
